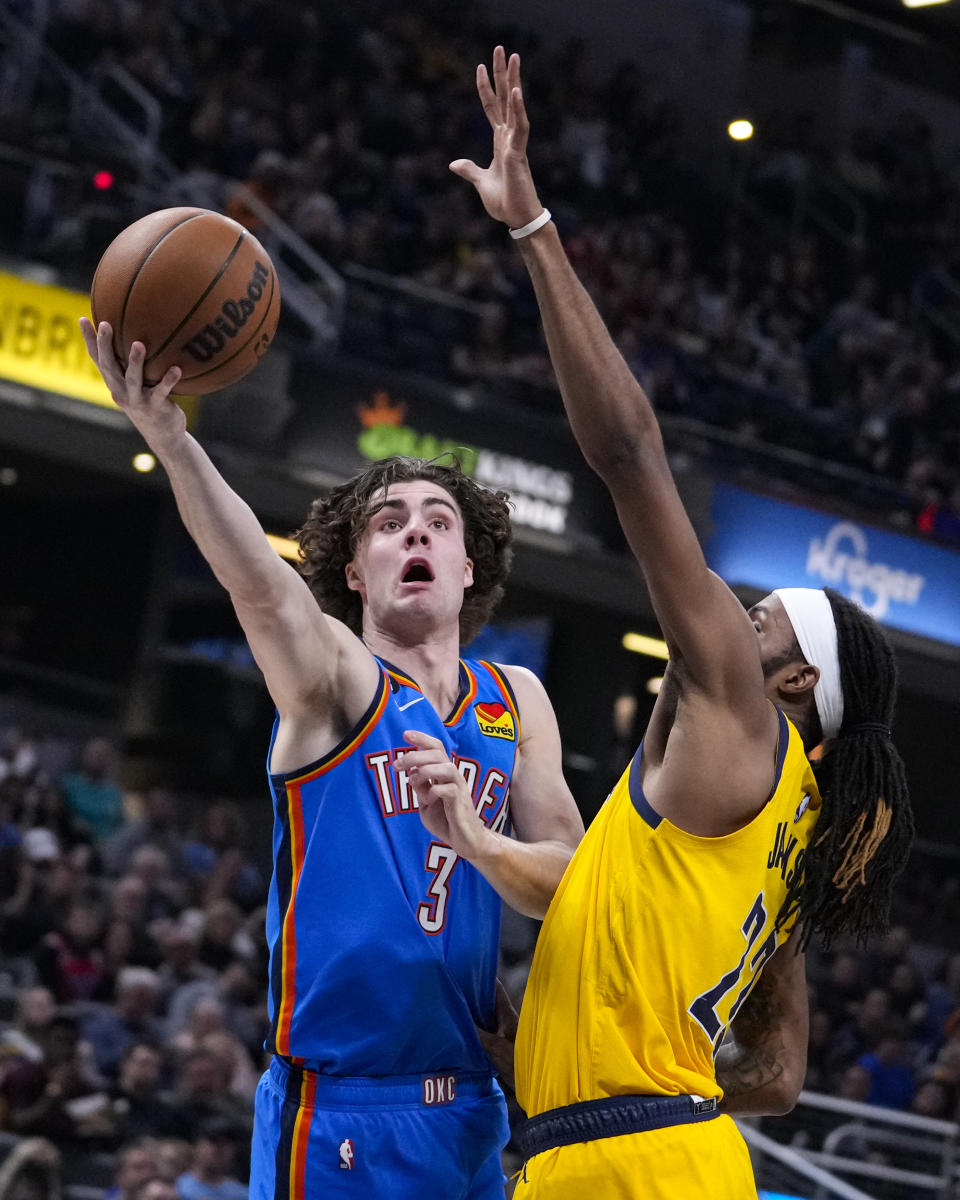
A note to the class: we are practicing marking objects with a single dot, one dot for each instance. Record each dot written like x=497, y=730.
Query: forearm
x=610, y=415
x=525, y=874
x=762, y=1062
x=224, y=527
x=754, y=1081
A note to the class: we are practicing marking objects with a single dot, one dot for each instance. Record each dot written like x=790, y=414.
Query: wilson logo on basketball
x=495, y=720
x=207, y=343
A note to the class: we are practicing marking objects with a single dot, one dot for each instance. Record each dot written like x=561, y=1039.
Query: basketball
x=196, y=288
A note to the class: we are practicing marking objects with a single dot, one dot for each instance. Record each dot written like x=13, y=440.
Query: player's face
x=775, y=634
x=411, y=567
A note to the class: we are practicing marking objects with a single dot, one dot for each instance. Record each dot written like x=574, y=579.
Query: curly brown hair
x=336, y=522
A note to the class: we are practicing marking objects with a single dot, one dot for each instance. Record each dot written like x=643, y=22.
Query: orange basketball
x=196, y=288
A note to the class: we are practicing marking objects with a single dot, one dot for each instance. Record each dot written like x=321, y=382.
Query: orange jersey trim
x=288, y=940
x=403, y=680
x=468, y=696
x=349, y=748
x=301, y=1137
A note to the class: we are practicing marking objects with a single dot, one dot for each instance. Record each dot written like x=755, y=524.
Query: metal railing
x=895, y=1154
x=795, y=1168
x=311, y=289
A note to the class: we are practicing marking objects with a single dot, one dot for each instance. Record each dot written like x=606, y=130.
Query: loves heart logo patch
x=495, y=720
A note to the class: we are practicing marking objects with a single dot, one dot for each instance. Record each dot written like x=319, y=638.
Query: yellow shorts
x=701, y=1161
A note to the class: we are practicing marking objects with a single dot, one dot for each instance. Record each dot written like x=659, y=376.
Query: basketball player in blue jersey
x=412, y=791
x=667, y=990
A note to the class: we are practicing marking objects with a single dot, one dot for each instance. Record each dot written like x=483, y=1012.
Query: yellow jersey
x=653, y=941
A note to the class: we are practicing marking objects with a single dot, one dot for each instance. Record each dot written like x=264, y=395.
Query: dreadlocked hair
x=336, y=522
x=865, y=830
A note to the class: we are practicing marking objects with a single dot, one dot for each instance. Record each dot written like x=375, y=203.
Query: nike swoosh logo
x=415, y=700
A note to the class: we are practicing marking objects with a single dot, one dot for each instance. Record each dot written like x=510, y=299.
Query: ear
x=798, y=679
x=468, y=573
x=353, y=576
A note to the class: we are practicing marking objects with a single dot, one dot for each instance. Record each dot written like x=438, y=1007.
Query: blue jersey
x=383, y=942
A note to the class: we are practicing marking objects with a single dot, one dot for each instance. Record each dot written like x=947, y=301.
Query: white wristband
x=532, y=226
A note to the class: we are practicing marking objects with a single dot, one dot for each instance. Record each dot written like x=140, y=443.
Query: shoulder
x=533, y=704
x=526, y=687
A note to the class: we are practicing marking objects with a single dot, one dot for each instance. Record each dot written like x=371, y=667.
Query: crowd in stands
x=133, y=983
x=345, y=126
x=132, y=977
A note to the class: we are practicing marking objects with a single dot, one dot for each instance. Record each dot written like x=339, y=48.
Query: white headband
x=811, y=616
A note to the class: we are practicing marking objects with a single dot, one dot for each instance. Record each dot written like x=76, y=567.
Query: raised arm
x=762, y=1064
x=305, y=657
x=526, y=870
x=614, y=422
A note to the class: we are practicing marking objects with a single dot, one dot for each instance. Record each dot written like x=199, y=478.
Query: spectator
x=46, y=808
x=861, y=1033
x=843, y=988
x=174, y=1156
x=31, y=908
x=934, y=1099
x=70, y=961
x=224, y=938
x=211, y=1175
x=202, y=1091
x=164, y=897
x=139, y=1106
x=58, y=1097
x=855, y=1083
x=36, y=1008
x=891, y=1079
x=137, y=1165
x=157, y=1189
x=220, y=862
x=111, y=1029
x=91, y=792
x=157, y=827
x=179, y=942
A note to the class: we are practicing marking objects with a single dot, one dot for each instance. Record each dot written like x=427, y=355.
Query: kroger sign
x=904, y=582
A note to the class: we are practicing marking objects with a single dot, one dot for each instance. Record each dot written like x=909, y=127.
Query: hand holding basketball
x=196, y=288
x=149, y=408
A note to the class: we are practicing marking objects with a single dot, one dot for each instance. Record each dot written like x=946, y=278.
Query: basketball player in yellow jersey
x=667, y=990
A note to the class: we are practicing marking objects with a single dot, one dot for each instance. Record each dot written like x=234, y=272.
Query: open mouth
x=417, y=572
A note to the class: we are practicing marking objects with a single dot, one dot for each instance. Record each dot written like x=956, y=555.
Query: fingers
x=427, y=768
x=168, y=382
x=491, y=106
x=467, y=170
x=500, y=81
x=125, y=382
x=89, y=337
x=495, y=97
x=513, y=73
x=423, y=741
x=519, y=120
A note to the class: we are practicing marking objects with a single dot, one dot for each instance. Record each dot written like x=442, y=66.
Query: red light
x=103, y=181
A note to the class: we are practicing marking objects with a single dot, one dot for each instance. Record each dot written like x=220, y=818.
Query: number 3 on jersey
x=704, y=1009
x=433, y=912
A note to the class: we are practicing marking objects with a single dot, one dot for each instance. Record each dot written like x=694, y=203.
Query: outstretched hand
x=506, y=187
x=159, y=418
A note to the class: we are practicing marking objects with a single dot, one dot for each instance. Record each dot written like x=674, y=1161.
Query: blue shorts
x=403, y=1137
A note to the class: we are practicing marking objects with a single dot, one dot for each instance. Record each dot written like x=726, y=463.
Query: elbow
x=626, y=454
x=783, y=1095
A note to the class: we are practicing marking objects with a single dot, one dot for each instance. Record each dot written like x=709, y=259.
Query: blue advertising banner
x=903, y=582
